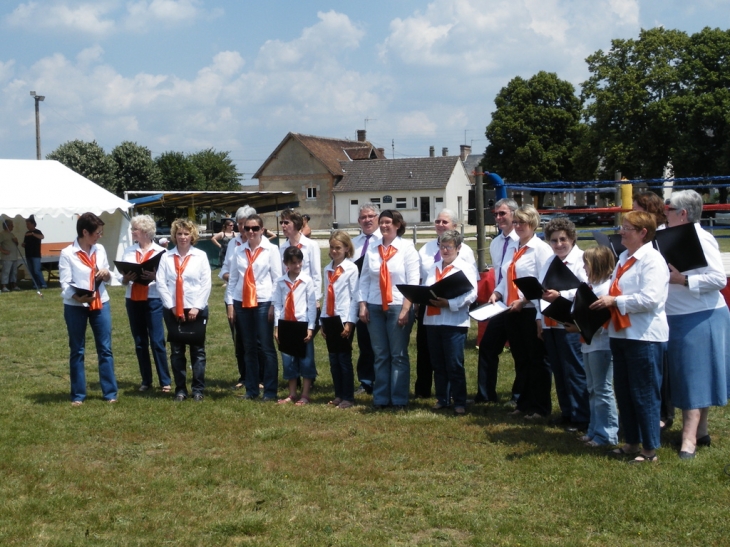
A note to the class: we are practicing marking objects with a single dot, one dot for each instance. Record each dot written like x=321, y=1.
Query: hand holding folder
x=449, y=287
x=138, y=269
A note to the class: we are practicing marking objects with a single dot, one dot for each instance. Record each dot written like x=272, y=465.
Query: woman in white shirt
x=532, y=373
x=144, y=306
x=254, y=269
x=638, y=330
x=389, y=316
x=84, y=266
x=699, y=323
x=183, y=282
x=446, y=323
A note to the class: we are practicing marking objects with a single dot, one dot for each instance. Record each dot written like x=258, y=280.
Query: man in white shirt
x=495, y=336
x=368, y=221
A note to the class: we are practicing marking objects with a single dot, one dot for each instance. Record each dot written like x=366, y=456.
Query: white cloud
x=416, y=123
x=87, y=18
x=145, y=14
x=626, y=10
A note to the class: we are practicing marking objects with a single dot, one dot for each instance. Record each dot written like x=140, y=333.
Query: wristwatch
x=686, y=281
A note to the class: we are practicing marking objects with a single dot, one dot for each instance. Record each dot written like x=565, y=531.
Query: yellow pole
x=191, y=213
x=627, y=199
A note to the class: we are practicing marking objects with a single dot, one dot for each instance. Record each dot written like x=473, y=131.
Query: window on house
x=376, y=201
x=415, y=203
x=312, y=193
x=439, y=200
x=401, y=203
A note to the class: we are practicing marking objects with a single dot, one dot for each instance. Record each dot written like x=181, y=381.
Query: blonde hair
x=344, y=238
x=528, y=214
x=599, y=262
x=145, y=223
x=184, y=224
x=642, y=220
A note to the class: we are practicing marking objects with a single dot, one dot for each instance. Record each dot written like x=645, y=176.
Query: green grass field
x=149, y=471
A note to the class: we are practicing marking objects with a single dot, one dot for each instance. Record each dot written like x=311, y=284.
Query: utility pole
x=479, y=203
x=38, y=99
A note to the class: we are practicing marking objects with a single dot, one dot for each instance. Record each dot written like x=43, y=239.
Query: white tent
x=56, y=196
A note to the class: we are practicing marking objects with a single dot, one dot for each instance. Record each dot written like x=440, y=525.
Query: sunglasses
x=284, y=222
x=251, y=228
x=500, y=214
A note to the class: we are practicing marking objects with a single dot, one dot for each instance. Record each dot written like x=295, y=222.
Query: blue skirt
x=699, y=358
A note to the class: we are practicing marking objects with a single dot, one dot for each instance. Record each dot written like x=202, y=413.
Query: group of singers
x=667, y=328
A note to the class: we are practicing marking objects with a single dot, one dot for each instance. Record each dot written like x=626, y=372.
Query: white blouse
x=71, y=271
x=266, y=269
x=196, y=280
x=312, y=263
x=345, y=288
x=404, y=267
x=530, y=264
x=457, y=314
x=130, y=255
x=305, y=301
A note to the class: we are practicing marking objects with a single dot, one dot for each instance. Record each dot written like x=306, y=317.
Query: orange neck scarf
x=249, y=299
x=332, y=276
x=139, y=291
x=433, y=310
x=179, y=292
x=620, y=322
x=386, y=289
x=90, y=262
x=512, y=293
x=290, y=311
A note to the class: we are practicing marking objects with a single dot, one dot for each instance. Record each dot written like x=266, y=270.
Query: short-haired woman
x=83, y=265
x=144, y=305
x=532, y=373
x=699, y=323
x=638, y=330
x=388, y=262
x=183, y=281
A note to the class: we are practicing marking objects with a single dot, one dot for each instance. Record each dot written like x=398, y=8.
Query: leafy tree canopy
x=135, y=168
x=89, y=160
x=217, y=169
x=179, y=173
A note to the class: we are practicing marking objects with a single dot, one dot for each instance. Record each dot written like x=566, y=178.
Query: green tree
x=135, y=169
x=217, y=169
x=178, y=173
x=534, y=131
x=89, y=160
x=631, y=102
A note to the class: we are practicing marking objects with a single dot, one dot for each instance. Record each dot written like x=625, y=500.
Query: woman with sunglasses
x=532, y=373
x=638, y=331
x=254, y=269
x=429, y=254
x=222, y=239
x=699, y=323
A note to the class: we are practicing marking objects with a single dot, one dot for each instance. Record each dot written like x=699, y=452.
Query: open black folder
x=332, y=328
x=86, y=292
x=291, y=337
x=579, y=313
x=449, y=287
x=558, y=278
x=186, y=332
x=680, y=246
x=147, y=266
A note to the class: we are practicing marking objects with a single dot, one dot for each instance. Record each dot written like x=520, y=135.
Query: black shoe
x=686, y=455
x=704, y=441
x=180, y=397
x=399, y=407
x=562, y=420
x=269, y=399
x=379, y=407
x=197, y=397
x=576, y=427
x=247, y=397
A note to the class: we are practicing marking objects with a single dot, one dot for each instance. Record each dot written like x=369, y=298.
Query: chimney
x=361, y=135
x=465, y=151
x=382, y=151
x=431, y=151
x=444, y=151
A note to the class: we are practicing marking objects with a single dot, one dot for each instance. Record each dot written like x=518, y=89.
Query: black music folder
x=560, y=310
x=147, y=266
x=186, y=332
x=680, y=246
x=587, y=320
x=449, y=287
x=612, y=241
x=291, y=337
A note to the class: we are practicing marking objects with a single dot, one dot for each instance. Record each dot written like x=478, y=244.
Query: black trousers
x=366, y=359
x=490, y=348
x=424, y=370
x=533, y=377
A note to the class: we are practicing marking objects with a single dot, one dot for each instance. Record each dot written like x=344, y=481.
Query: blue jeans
x=180, y=366
x=604, y=417
x=342, y=375
x=566, y=362
x=295, y=367
x=101, y=325
x=446, y=349
x=637, y=379
x=34, y=268
x=390, y=346
x=258, y=331
x=145, y=322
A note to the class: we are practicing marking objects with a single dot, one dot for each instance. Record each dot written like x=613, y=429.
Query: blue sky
x=232, y=75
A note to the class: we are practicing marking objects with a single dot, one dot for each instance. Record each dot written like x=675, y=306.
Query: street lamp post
x=38, y=99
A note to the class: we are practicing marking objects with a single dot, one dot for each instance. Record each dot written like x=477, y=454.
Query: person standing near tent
x=10, y=257
x=32, y=245
x=83, y=266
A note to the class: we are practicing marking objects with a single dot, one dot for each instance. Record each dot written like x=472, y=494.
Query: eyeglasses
x=672, y=209
x=446, y=248
x=437, y=221
x=500, y=213
x=627, y=229
x=284, y=222
x=252, y=228
x=519, y=223
x=560, y=240
x=367, y=217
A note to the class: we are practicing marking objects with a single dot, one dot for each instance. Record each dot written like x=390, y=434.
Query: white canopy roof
x=47, y=187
